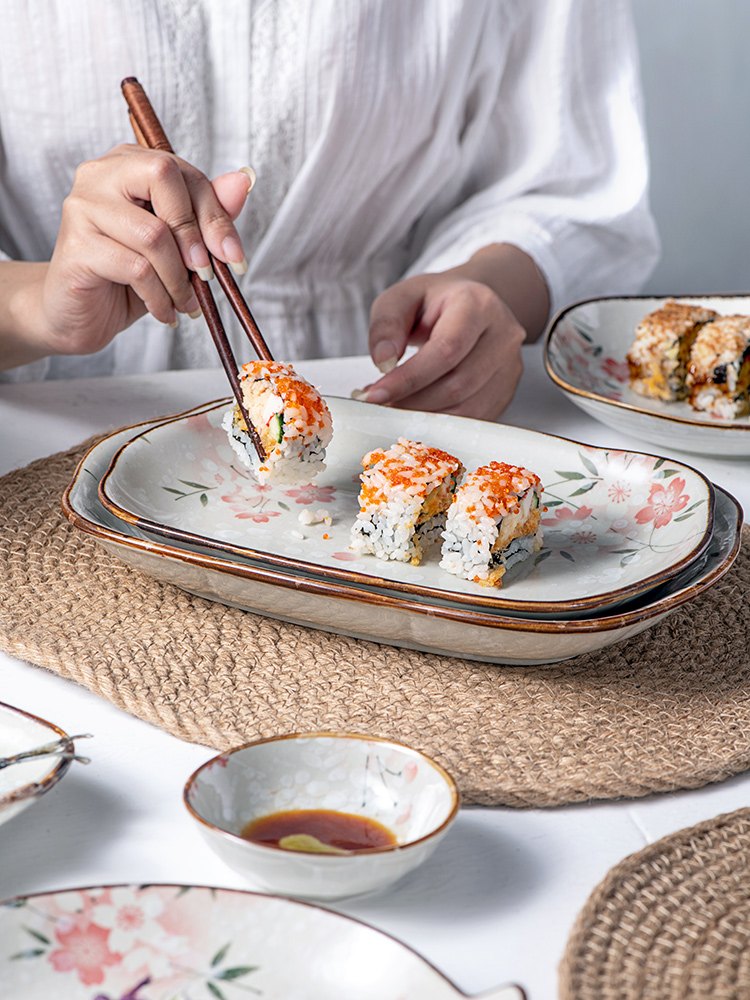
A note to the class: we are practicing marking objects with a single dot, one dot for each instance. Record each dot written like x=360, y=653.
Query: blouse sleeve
x=561, y=170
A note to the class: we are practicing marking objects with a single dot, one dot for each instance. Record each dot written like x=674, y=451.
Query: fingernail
x=388, y=365
x=385, y=356
x=172, y=323
x=250, y=173
x=195, y=314
x=371, y=395
x=234, y=255
x=200, y=263
x=378, y=396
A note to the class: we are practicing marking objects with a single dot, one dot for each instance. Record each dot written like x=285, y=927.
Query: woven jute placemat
x=666, y=709
x=671, y=922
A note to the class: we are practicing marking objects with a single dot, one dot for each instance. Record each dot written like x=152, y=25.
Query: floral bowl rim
x=34, y=789
x=269, y=900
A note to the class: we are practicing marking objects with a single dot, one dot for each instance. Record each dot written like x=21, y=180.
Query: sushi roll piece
x=719, y=370
x=291, y=419
x=403, y=498
x=493, y=523
x=658, y=359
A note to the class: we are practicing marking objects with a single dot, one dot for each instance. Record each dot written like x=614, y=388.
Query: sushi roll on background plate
x=718, y=378
x=493, y=523
x=405, y=493
x=291, y=418
x=659, y=357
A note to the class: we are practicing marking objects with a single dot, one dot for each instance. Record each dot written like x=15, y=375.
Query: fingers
x=232, y=189
x=470, y=361
x=393, y=317
x=186, y=201
x=164, y=209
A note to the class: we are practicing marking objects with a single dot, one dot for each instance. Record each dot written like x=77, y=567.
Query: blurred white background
x=696, y=80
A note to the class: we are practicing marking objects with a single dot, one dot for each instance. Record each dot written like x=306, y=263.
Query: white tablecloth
x=496, y=901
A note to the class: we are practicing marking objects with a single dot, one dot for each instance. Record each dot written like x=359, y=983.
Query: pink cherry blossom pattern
x=563, y=514
x=310, y=493
x=83, y=949
x=618, y=370
x=261, y=517
x=583, y=538
x=619, y=492
x=663, y=503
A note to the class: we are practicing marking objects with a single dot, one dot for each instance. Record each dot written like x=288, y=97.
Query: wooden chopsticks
x=149, y=133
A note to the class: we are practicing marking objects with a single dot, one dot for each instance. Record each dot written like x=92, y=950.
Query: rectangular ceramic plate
x=367, y=612
x=200, y=941
x=584, y=355
x=616, y=523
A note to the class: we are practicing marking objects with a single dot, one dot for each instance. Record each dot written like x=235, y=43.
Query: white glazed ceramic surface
x=396, y=786
x=22, y=783
x=179, y=942
x=427, y=625
x=585, y=354
x=617, y=523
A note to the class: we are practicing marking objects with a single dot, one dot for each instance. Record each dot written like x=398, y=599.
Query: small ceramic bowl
x=399, y=788
x=23, y=783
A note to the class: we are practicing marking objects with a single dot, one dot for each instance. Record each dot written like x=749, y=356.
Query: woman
x=429, y=171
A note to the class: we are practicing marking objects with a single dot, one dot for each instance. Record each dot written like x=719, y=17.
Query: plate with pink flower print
x=584, y=355
x=131, y=942
x=616, y=523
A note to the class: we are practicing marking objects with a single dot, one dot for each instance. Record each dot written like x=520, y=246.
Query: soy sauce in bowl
x=319, y=830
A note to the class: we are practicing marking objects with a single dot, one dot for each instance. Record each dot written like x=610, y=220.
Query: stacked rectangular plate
x=629, y=537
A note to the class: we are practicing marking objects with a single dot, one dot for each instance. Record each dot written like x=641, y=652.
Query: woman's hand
x=469, y=323
x=115, y=258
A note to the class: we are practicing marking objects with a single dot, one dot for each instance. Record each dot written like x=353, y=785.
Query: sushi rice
x=403, y=498
x=493, y=523
x=291, y=418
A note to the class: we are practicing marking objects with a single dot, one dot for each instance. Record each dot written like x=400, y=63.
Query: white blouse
x=390, y=137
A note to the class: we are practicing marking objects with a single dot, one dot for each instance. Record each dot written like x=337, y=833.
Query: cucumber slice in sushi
x=291, y=419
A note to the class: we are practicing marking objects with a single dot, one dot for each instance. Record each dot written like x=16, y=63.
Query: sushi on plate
x=493, y=523
x=718, y=377
x=404, y=494
x=291, y=419
x=658, y=358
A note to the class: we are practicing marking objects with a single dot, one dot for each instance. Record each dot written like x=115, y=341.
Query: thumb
x=233, y=188
x=393, y=316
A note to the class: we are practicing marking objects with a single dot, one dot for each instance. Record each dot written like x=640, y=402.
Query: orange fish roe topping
x=406, y=467
x=295, y=390
x=500, y=487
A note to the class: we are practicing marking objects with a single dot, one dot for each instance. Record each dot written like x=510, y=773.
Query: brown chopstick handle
x=149, y=133
x=146, y=125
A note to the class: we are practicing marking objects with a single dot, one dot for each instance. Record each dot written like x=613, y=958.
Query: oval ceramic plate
x=584, y=354
x=23, y=783
x=191, y=942
x=616, y=524
x=420, y=623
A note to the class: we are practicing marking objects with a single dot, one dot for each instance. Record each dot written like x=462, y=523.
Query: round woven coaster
x=671, y=922
x=665, y=710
